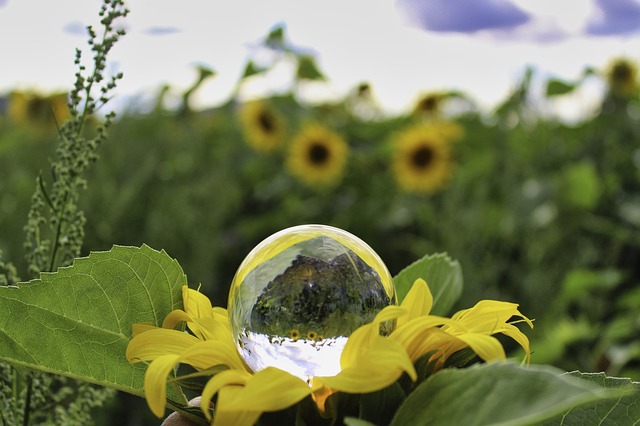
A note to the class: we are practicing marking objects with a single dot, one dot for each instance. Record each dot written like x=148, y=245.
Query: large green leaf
x=443, y=275
x=77, y=322
x=496, y=394
x=624, y=410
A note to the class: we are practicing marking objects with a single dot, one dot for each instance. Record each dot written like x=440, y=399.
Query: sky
x=402, y=48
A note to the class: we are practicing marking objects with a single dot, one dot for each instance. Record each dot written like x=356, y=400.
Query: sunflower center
x=422, y=157
x=266, y=122
x=428, y=104
x=318, y=153
x=621, y=72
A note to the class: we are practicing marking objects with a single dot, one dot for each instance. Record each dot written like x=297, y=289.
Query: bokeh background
x=502, y=133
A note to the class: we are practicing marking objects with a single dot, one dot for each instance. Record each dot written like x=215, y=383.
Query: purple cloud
x=3, y=2
x=615, y=17
x=74, y=28
x=161, y=31
x=463, y=16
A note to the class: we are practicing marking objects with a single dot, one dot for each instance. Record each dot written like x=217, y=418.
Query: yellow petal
x=382, y=365
x=357, y=345
x=221, y=315
x=209, y=353
x=487, y=315
x=196, y=304
x=155, y=382
x=389, y=313
x=517, y=335
x=418, y=302
x=243, y=396
x=411, y=333
x=437, y=342
x=235, y=418
x=270, y=389
x=220, y=380
x=141, y=327
x=486, y=347
x=174, y=318
x=359, y=341
x=157, y=342
x=211, y=329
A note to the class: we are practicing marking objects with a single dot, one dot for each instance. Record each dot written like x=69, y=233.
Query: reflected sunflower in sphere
x=264, y=127
x=317, y=155
x=422, y=159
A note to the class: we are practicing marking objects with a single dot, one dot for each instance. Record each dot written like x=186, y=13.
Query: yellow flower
x=422, y=159
x=210, y=345
x=622, y=76
x=317, y=155
x=421, y=333
x=369, y=361
x=264, y=126
x=30, y=108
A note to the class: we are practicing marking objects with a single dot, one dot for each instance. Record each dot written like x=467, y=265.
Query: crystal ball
x=300, y=293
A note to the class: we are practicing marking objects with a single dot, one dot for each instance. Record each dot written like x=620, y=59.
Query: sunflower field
x=536, y=210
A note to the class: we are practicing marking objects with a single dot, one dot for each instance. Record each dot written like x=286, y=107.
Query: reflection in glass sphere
x=300, y=293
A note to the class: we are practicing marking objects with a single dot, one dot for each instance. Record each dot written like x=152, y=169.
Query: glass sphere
x=300, y=293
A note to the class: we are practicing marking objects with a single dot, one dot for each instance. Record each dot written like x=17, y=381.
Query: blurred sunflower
x=449, y=130
x=264, y=127
x=33, y=108
x=428, y=104
x=622, y=77
x=422, y=159
x=317, y=155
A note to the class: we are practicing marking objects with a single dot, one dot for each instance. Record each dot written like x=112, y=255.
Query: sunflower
x=422, y=159
x=428, y=104
x=317, y=155
x=369, y=361
x=30, y=108
x=264, y=126
x=622, y=77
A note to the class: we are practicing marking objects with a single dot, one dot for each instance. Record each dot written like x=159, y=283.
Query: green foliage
x=558, y=87
x=72, y=403
x=54, y=237
x=442, y=274
x=623, y=410
x=55, y=227
x=496, y=393
x=77, y=321
x=307, y=69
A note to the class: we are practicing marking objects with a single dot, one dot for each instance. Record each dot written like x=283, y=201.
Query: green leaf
x=501, y=393
x=580, y=185
x=352, y=421
x=580, y=283
x=443, y=275
x=558, y=87
x=380, y=406
x=307, y=69
x=624, y=410
x=275, y=38
x=77, y=321
x=251, y=69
